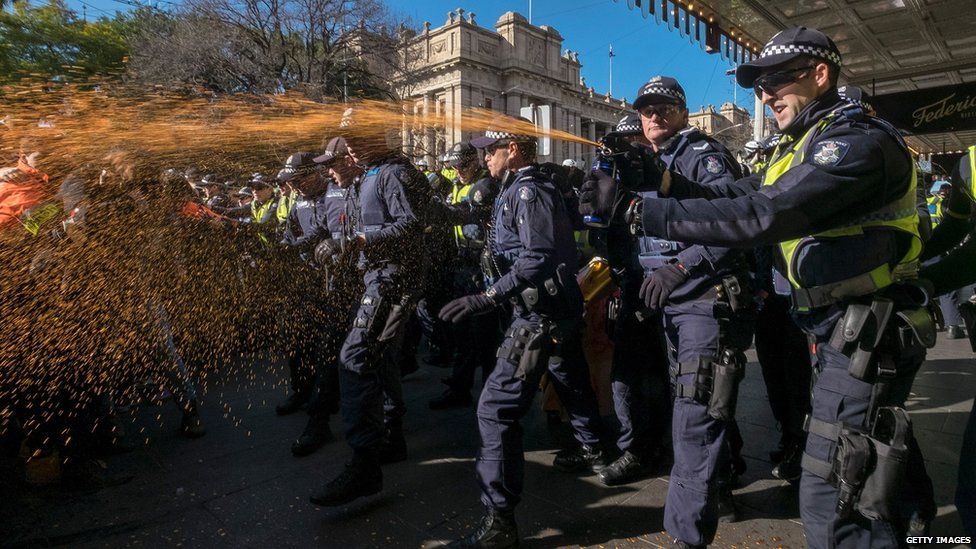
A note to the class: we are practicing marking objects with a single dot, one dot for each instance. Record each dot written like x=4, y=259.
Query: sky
x=642, y=48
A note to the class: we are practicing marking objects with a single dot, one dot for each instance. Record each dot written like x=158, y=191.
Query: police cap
x=461, y=155
x=210, y=180
x=258, y=181
x=786, y=46
x=503, y=128
x=297, y=164
x=245, y=191
x=856, y=96
x=630, y=124
x=335, y=149
x=660, y=89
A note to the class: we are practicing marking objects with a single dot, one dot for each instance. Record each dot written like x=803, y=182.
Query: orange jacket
x=21, y=191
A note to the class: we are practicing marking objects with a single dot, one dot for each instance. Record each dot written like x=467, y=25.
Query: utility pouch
x=396, y=320
x=916, y=328
x=737, y=294
x=530, y=299
x=858, y=333
x=889, y=436
x=727, y=372
x=853, y=461
x=535, y=354
x=370, y=308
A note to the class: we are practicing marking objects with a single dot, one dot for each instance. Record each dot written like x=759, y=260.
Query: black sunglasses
x=772, y=83
x=490, y=149
x=664, y=110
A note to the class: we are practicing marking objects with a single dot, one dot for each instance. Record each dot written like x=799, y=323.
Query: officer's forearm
x=393, y=232
x=954, y=271
x=947, y=235
x=740, y=223
x=677, y=186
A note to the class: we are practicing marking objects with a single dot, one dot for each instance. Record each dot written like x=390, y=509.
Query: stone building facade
x=515, y=65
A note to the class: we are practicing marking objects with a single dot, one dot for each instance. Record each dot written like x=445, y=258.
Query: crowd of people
x=811, y=250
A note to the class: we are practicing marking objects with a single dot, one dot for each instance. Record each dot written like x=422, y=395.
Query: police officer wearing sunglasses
x=838, y=200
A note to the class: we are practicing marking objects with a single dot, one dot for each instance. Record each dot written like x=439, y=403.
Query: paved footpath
x=239, y=486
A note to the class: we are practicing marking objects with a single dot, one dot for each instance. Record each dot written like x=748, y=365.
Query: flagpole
x=611, y=71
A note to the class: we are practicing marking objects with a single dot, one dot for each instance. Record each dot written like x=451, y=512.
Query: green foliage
x=52, y=41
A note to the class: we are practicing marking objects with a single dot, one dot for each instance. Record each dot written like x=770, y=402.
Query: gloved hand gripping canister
x=621, y=169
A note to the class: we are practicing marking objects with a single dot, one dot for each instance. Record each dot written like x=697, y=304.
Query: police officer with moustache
x=478, y=335
x=838, y=197
x=702, y=293
x=534, y=256
x=639, y=375
x=394, y=209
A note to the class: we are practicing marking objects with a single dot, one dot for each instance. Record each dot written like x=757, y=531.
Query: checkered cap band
x=629, y=127
x=493, y=134
x=813, y=51
x=666, y=92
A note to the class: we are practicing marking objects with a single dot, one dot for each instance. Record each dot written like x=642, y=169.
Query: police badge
x=713, y=165
x=830, y=152
x=527, y=194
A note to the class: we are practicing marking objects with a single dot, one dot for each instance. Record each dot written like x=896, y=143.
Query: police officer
x=264, y=201
x=954, y=269
x=306, y=226
x=478, y=335
x=701, y=324
x=532, y=249
x=839, y=198
x=394, y=202
x=639, y=374
x=213, y=191
x=340, y=212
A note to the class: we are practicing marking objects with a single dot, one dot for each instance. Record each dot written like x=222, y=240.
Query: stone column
x=513, y=104
x=428, y=132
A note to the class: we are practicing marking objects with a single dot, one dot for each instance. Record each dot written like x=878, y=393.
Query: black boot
x=788, y=468
x=727, y=509
x=292, y=404
x=316, y=434
x=451, y=398
x=497, y=530
x=191, y=426
x=624, y=469
x=393, y=449
x=362, y=477
x=582, y=458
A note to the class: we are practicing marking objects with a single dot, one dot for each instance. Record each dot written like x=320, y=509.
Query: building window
x=488, y=103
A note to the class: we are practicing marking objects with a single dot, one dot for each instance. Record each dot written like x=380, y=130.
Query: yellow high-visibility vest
x=899, y=215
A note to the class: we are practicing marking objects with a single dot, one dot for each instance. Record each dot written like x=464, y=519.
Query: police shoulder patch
x=714, y=165
x=527, y=193
x=830, y=152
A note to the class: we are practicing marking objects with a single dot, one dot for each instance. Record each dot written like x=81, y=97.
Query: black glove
x=327, y=250
x=603, y=200
x=640, y=169
x=657, y=288
x=463, y=307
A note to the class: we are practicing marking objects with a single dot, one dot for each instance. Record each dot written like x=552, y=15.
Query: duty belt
x=828, y=294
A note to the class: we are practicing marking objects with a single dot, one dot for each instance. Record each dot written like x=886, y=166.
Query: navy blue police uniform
x=840, y=184
x=639, y=381
x=701, y=328
x=532, y=259
x=305, y=225
x=532, y=243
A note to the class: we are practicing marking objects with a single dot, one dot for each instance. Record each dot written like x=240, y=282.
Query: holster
x=529, y=350
x=859, y=332
x=558, y=297
x=889, y=436
x=727, y=372
x=716, y=382
x=853, y=460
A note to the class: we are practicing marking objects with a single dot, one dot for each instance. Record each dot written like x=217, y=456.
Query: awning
x=889, y=46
